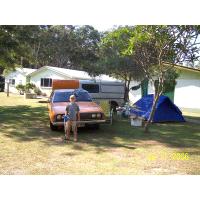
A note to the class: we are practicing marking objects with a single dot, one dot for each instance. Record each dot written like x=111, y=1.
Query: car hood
x=85, y=107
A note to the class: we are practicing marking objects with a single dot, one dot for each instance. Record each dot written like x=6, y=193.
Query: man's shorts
x=72, y=124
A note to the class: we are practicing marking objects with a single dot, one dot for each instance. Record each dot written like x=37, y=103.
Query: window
x=64, y=96
x=12, y=82
x=91, y=88
x=46, y=82
x=117, y=89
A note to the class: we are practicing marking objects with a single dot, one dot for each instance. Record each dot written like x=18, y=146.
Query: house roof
x=26, y=71
x=72, y=73
x=181, y=67
x=78, y=74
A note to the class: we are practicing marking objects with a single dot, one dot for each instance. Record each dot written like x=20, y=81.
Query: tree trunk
x=125, y=89
x=126, y=92
x=155, y=101
x=149, y=121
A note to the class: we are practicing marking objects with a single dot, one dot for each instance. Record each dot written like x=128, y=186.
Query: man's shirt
x=72, y=110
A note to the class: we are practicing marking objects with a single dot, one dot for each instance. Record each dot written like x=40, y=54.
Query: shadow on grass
x=25, y=124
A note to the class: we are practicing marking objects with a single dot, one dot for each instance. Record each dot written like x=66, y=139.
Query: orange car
x=90, y=112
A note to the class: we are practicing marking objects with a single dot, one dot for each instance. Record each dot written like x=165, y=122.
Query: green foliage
x=2, y=83
x=13, y=45
x=169, y=81
x=173, y=44
x=115, y=62
x=105, y=105
x=21, y=88
x=6, y=71
x=29, y=86
x=60, y=46
x=37, y=91
x=25, y=88
x=65, y=46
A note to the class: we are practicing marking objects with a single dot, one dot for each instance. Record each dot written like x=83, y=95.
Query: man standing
x=72, y=110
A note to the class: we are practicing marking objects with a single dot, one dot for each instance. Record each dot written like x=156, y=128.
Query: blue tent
x=166, y=110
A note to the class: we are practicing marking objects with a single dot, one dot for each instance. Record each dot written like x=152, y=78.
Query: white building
x=19, y=76
x=187, y=91
x=42, y=77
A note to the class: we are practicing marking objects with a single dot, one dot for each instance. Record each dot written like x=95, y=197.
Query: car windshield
x=64, y=96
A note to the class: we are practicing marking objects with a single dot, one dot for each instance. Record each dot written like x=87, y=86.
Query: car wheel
x=52, y=127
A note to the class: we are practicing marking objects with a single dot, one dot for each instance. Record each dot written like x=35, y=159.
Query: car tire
x=52, y=127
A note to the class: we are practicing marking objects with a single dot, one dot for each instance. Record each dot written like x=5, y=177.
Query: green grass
x=191, y=113
x=29, y=147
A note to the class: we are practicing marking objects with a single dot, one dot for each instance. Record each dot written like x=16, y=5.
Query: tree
x=197, y=64
x=46, y=45
x=60, y=46
x=157, y=49
x=85, y=52
x=68, y=46
x=117, y=64
x=10, y=46
x=18, y=46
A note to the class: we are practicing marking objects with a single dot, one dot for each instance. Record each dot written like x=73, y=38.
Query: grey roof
x=77, y=74
x=26, y=71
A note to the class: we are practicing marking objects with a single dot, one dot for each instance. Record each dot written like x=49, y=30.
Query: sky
x=102, y=27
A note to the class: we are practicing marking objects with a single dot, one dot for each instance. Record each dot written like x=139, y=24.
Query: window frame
x=42, y=82
x=93, y=84
x=11, y=80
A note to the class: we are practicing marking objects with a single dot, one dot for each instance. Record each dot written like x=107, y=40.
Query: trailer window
x=91, y=88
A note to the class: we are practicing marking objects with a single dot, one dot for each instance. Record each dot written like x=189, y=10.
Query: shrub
x=37, y=91
x=29, y=86
x=21, y=88
x=44, y=94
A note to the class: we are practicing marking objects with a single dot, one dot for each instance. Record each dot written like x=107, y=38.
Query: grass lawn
x=28, y=146
x=190, y=113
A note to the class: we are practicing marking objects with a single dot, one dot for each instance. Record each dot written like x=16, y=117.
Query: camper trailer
x=112, y=91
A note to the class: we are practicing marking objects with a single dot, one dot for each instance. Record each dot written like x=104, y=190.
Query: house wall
x=19, y=79
x=187, y=90
x=36, y=79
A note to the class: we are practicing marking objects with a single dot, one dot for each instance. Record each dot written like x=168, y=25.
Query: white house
x=43, y=77
x=19, y=76
x=187, y=91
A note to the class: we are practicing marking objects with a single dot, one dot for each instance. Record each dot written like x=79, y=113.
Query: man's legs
x=68, y=124
x=74, y=127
